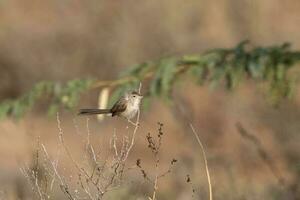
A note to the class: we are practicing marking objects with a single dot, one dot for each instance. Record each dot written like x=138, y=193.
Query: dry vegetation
x=102, y=174
x=61, y=40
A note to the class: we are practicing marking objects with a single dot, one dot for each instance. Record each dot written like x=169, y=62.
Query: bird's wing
x=119, y=106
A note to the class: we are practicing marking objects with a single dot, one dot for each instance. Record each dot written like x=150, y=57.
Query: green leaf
x=218, y=74
x=5, y=108
x=198, y=71
x=168, y=75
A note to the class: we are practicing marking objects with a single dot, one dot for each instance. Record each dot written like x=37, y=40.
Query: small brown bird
x=127, y=106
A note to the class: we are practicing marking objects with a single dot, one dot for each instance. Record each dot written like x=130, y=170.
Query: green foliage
x=227, y=67
x=69, y=95
x=163, y=78
x=18, y=107
x=66, y=95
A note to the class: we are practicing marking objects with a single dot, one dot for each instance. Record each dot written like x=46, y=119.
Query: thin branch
x=205, y=161
x=114, y=141
x=63, y=185
x=261, y=152
x=61, y=139
x=136, y=126
x=155, y=187
x=88, y=145
x=53, y=164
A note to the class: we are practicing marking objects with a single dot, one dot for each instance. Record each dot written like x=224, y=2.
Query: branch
x=261, y=152
x=226, y=67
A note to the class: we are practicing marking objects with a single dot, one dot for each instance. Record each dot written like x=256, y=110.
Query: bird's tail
x=92, y=111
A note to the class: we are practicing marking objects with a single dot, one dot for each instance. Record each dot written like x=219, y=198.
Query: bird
x=127, y=106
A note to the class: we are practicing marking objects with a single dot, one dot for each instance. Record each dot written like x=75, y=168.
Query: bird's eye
x=134, y=96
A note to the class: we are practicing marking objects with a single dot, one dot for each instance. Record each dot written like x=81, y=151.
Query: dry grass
x=234, y=162
x=94, y=181
x=60, y=40
x=205, y=162
x=101, y=176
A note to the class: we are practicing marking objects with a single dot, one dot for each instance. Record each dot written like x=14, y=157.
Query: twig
x=61, y=139
x=155, y=187
x=155, y=146
x=64, y=187
x=205, y=161
x=114, y=140
x=32, y=179
x=261, y=152
x=88, y=145
x=54, y=166
x=173, y=161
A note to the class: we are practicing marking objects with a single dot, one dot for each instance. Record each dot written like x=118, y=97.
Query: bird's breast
x=131, y=110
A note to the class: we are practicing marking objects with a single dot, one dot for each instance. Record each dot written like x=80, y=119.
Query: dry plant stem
x=88, y=145
x=136, y=126
x=154, y=146
x=37, y=186
x=155, y=181
x=271, y=163
x=35, y=173
x=63, y=185
x=81, y=170
x=54, y=165
x=261, y=152
x=114, y=140
x=102, y=178
x=205, y=161
x=61, y=139
x=30, y=175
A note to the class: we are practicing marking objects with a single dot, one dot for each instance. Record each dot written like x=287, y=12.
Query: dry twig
x=261, y=152
x=205, y=161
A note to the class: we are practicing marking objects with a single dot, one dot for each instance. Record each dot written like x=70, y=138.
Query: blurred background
x=61, y=40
